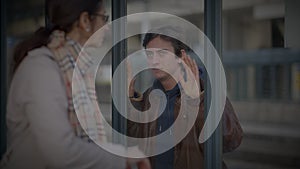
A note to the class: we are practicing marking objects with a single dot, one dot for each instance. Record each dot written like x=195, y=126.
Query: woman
x=43, y=130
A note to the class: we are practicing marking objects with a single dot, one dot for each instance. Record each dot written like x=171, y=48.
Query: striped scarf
x=87, y=123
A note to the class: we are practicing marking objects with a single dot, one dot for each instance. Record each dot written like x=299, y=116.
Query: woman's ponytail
x=40, y=38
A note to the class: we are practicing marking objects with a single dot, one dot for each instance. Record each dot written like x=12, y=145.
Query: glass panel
x=262, y=72
x=260, y=41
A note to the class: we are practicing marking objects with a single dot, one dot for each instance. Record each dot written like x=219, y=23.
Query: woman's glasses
x=104, y=17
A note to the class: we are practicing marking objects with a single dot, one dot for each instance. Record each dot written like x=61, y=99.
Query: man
x=167, y=53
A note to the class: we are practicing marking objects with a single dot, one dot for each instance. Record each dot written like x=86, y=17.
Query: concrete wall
x=292, y=24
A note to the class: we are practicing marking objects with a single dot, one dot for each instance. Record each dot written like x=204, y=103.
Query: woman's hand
x=141, y=163
x=144, y=164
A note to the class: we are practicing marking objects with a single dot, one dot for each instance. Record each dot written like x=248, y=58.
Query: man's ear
x=182, y=56
x=85, y=22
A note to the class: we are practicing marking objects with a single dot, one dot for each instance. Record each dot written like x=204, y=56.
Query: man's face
x=160, y=55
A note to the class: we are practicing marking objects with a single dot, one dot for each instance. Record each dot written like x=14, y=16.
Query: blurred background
x=261, y=56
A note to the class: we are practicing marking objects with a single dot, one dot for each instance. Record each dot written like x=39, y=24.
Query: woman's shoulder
x=38, y=59
x=38, y=65
x=41, y=52
x=38, y=71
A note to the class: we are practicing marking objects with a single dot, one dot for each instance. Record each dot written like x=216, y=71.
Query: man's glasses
x=104, y=17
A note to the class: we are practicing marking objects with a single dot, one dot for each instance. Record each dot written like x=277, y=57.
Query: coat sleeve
x=46, y=110
x=232, y=131
x=135, y=129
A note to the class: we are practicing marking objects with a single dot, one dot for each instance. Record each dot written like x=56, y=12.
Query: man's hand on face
x=189, y=76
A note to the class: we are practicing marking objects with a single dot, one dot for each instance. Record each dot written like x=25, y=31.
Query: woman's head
x=79, y=19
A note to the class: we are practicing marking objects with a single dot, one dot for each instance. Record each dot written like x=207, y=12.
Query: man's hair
x=175, y=35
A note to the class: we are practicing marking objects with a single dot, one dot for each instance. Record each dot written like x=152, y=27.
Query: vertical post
x=119, y=52
x=259, y=82
x=287, y=81
x=47, y=19
x=237, y=83
x=273, y=83
x=212, y=27
x=244, y=83
x=3, y=79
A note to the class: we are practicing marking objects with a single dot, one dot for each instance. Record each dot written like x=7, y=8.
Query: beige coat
x=39, y=133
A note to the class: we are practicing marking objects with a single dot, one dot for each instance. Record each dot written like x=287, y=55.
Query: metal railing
x=272, y=74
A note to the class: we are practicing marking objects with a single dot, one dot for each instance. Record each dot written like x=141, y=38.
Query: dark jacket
x=189, y=153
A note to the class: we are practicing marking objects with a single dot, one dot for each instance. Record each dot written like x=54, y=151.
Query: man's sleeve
x=232, y=131
x=135, y=129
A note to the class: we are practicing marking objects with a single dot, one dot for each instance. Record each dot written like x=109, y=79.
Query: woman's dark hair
x=176, y=34
x=62, y=14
